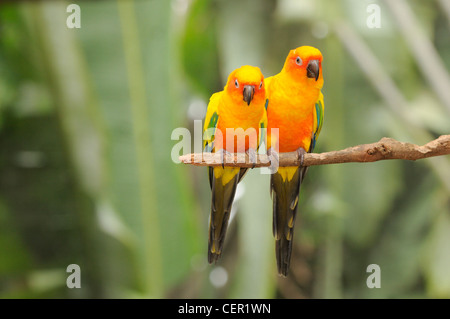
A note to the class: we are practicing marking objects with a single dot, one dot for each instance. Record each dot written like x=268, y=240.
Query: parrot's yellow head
x=304, y=64
x=246, y=86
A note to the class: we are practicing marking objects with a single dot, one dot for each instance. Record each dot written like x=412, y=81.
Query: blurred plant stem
x=152, y=268
x=445, y=5
x=255, y=278
x=422, y=49
x=329, y=278
x=329, y=267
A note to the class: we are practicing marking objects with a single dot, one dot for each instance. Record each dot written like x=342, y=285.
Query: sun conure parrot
x=241, y=107
x=295, y=108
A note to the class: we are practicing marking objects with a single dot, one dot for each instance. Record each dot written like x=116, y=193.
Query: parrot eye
x=236, y=83
x=298, y=61
x=260, y=85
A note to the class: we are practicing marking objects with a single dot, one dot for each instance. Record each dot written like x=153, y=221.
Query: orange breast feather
x=243, y=134
x=294, y=119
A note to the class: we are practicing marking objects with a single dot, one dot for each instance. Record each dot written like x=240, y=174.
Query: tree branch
x=386, y=148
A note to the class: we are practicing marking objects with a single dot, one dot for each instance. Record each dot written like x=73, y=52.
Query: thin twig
x=386, y=148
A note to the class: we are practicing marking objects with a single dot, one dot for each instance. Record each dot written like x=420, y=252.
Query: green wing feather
x=318, y=121
x=211, y=120
x=263, y=128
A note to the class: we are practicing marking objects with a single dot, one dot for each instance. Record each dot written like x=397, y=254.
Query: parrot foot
x=274, y=160
x=223, y=153
x=301, y=155
x=251, y=153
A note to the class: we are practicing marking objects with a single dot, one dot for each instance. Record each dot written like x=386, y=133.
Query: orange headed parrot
x=240, y=106
x=295, y=108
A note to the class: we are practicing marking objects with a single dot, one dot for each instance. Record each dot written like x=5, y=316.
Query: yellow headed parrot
x=240, y=106
x=295, y=108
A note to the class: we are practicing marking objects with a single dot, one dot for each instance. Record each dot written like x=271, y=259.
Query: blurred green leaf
x=436, y=259
x=199, y=48
x=399, y=243
x=370, y=200
x=18, y=259
x=158, y=113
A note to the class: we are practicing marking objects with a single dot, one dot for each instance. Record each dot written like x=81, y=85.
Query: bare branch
x=386, y=148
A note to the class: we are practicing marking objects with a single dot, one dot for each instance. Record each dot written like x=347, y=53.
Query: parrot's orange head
x=246, y=86
x=305, y=65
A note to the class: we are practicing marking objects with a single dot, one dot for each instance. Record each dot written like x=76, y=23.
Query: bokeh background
x=86, y=176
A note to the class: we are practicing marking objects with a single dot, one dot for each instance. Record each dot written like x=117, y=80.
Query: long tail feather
x=223, y=187
x=285, y=193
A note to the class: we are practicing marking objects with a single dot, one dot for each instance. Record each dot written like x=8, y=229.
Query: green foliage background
x=86, y=176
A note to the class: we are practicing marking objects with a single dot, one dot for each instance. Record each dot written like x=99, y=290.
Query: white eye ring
x=236, y=83
x=260, y=85
x=298, y=61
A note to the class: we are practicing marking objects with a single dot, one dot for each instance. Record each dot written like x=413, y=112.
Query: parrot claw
x=301, y=155
x=251, y=152
x=274, y=161
x=223, y=153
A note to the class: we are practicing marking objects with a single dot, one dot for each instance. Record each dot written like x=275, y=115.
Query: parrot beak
x=312, y=70
x=249, y=91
